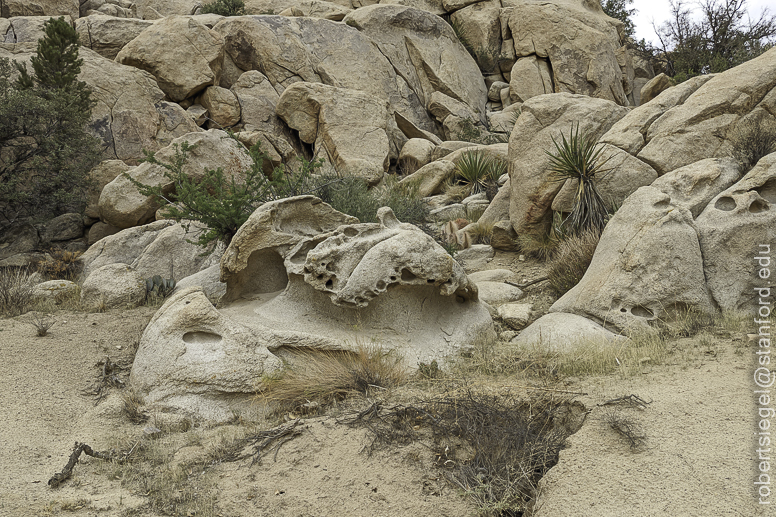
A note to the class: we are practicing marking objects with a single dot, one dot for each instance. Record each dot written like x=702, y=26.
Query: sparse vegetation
x=225, y=8
x=626, y=426
x=317, y=379
x=579, y=158
x=753, y=139
x=479, y=171
x=571, y=260
x=543, y=246
x=42, y=323
x=15, y=291
x=63, y=265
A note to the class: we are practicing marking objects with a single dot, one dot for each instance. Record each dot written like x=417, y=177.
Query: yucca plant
x=478, y=170
x=579, y=158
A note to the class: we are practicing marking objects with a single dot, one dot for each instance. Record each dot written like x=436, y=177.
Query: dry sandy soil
x=698, y=459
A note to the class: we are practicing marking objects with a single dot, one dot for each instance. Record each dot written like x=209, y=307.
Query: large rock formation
x=107, y=35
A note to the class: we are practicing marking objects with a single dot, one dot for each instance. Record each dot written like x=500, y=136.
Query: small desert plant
x=543, y=246
x=454, y=191
x=626, y=426
x=327, y=376
x=158, y=286
x=751, y=140
x=42, y=323
x=579, y=158
x=225, y=8
x=131, y=407
x=63, y=265
x=478, y=170
x=571, y=260
x=480, y=232
x=15, y=291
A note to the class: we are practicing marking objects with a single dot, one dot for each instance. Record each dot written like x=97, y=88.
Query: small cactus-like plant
x=160, y=286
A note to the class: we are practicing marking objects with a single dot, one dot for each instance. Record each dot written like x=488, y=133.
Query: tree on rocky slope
x=619, y=9
x=722, y=38
x=45, y=150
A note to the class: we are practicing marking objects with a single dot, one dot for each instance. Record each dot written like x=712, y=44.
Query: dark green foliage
x=619, y=9
x=221, y=202
x=352, y=196
x=479, y=171
x=578, y=158
x=751, y=140
x=723, y=36
x=45, y=150
x=225, y=8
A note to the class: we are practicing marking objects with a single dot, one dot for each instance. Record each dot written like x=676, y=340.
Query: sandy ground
x=699, y=457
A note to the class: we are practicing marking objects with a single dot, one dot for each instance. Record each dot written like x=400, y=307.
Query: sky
x=659, y=11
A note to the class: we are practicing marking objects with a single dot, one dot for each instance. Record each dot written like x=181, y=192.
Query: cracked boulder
x=299, y=264
x=647, y=267
x=47, y=8
x=107, y=35
x=195, y=360
x=736, y=227
x=425, y=51
x=347, y=128
x=195, y=64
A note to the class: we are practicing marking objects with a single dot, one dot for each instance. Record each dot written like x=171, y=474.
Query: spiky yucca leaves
x=478, y=170
x=578, y=158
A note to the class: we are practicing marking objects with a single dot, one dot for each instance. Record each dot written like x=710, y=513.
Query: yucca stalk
x=579, y=158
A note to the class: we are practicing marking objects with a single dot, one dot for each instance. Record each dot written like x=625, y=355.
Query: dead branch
x=528, y=284
x=629, y=400
x=60, y=477
x=277, y=436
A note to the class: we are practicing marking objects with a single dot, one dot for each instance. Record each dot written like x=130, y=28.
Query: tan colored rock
x=107, y=35
x=498, y=293
x=737, y=227
x=543, y=118
x=25, y=29
x=498, y=210
x=503, y=236
x=195, y=65
x=54, y=290
x=121, y=204
x=222, y=106
x=195, y=360
x=415, y=154
x=432, y=6
x=99, y=231
x=430, y=178
x=348, y=128
x=654, y=87
x=628, y=132
x=114, y=286
x=565, y=333
x=648, y=266
x=694, y=186
x=289, y=50
x=699, y=127
x=481, y=24
x=157, y=9
x=586, y=63
x=530, y=77
x=622, y=175
x=515, y=315
x=47, y=8
x=425, y=51
x=316, y=9
x=105, y=172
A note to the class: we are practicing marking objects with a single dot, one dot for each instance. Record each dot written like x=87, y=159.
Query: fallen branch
x=60, y=477
x=630, y=400
x=280, y=434
x=527, y=284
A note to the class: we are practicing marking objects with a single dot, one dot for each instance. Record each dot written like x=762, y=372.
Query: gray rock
x=475, y=257
x=497, y=293
x=115, y=286
x=559, y=332
x=63, y=228
x=515, y=315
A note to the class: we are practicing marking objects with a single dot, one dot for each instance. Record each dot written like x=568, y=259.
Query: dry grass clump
x=626, y=426
x=494, y=446
x=15, y=290
x=319, y=378
x=480, y=232
x=751, y=140
x=63, y=265
x=571, y=260
x=132, y=404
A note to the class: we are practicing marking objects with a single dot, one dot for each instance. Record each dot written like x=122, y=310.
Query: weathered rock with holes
x=647, y=266
x=114, y=286
x=194, y=65
x=543, y=119
x=195, y=360
x=385, y=281
x=347, y=128
x=122, y=206
x=208, y=279
x=694, y=185
x=737, y=227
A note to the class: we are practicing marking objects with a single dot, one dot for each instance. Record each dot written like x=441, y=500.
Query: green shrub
x=46, y=151
x=479, y=171
x=219, y=202
x=578, y=158
x=751, y=140
x=571, y=260
x=225, y=8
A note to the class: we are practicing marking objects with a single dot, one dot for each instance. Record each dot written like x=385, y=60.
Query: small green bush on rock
x=225, y=8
